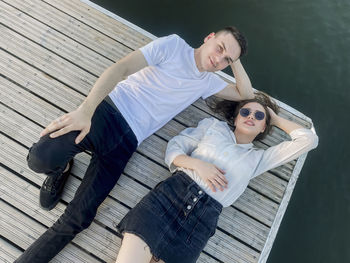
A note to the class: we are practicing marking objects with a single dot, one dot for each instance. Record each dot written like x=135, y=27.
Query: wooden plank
x=257, y=206
x=23, y=230
x=24, y=196
x=45, y=60
x=73, y=28
x=101, y=22
x=8, y=253
x=53, y=40
x=229, y=253
x=243, y=227
x=38, y=82
x=269, y=185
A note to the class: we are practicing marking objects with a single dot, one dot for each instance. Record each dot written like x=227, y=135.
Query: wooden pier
x=51, y=54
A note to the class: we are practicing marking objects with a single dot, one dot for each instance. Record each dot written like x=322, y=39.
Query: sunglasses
x=245, y=112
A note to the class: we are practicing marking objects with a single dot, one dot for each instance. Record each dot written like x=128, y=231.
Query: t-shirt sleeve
x=160, y=50
x=215, y=84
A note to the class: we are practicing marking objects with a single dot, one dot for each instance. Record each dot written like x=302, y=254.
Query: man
x=161, y=79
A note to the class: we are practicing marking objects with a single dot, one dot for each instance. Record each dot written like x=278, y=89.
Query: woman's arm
x=181, y=146
x=303, y=140
x=282, y=123
x=212, y=175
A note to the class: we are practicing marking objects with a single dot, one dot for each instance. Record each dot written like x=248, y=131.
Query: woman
x=174, y=221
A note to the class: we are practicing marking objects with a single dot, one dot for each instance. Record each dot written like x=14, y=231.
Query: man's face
x=219, y=51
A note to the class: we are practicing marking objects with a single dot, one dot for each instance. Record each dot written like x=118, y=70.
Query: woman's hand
x=211, y=175
x=282, y=123
x=78, y=120
x=273, y=115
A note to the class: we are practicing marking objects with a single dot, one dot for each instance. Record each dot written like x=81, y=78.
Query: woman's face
x=249, y=125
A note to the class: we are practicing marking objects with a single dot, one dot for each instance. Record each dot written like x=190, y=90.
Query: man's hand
x=212, y=175
x=78, y=120
x=242, y=89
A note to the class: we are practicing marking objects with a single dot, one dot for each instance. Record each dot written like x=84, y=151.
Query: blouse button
x=195, y=199
x=189, y=207
x=200, y=192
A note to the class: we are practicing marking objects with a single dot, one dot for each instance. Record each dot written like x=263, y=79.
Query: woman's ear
x=263, y=128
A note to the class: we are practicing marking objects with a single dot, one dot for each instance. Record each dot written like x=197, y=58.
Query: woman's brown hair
x=230, y=109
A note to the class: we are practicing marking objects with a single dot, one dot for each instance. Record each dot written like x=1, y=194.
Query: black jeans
x=112, y=143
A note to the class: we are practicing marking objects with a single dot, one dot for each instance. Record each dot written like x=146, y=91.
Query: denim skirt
x=175, y=219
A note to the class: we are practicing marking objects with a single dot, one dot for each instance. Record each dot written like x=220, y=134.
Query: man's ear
x=211, y=35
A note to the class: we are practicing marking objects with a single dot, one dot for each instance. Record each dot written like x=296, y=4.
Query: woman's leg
x=133, y=249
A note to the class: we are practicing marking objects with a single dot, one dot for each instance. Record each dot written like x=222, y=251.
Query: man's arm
x=80, y=119
x=242, y=89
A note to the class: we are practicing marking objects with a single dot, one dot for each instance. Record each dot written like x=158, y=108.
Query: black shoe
x=52, y=188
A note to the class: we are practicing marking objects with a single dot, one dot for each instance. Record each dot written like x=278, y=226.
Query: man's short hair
x=238, y=36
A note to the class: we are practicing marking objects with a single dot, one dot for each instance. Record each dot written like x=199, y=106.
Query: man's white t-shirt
x=151, y=97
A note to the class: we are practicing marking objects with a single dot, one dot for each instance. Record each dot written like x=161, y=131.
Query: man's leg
x=113, y=143
x=52, y=156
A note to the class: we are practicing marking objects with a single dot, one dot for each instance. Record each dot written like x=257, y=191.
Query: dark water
x=298, y=53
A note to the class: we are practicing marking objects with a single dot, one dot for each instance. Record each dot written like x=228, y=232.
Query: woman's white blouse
x=213, y=141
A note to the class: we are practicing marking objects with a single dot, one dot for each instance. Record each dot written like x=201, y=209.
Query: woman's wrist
x=275, y=120
x=196, y=164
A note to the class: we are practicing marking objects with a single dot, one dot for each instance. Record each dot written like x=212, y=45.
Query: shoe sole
x=50, y=207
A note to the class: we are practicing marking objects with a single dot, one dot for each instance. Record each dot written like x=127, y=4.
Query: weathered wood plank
x=24, y=196
x=8, y=253
x=45, y=60
x=72, y=28
x=53, y=40
x=22, y=230
x=101, y=22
